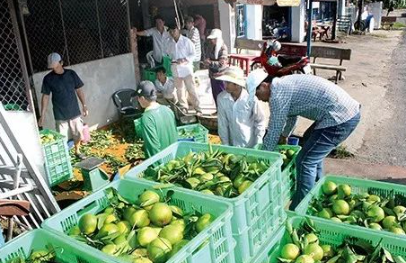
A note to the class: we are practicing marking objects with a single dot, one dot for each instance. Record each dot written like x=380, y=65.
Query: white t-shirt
x=167, y=89
x=183, y=49
x=159, y=42
x=241, y=123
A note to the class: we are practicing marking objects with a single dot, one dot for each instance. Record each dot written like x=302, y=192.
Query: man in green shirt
x=157, y=123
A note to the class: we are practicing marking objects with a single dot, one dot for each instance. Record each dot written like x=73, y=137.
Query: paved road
x=386, y=142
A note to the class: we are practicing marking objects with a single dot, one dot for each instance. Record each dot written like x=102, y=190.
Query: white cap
x=234, y=75
x=52, y=59
x=254, y=79
x=215, y=33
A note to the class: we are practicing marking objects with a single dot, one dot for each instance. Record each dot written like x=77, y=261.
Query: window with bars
x=13, y=88
x=80, y=30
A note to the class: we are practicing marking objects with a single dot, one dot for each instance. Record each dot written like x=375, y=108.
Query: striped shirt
x=307, y=96
x=193, y=34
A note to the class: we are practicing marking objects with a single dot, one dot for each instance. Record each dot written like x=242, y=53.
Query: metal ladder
x=21, y=180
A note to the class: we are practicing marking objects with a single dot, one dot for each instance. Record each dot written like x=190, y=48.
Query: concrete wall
x=101, y=78
x=254, y=22
x=298, y=22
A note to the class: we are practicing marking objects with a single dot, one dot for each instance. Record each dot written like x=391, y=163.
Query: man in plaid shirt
x=335, y=114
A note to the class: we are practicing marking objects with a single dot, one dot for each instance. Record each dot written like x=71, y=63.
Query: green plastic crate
x=249, y=207
x=219, y=249
x=150, y=73
x=201, y=133
x=12, y=107
x=288, y=172
x=357, y=186
x=66, y=251
x=333, y=234
x=57, y=165
x=251, y=241
x=166, y=63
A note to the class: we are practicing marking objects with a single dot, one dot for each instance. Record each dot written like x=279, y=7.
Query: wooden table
x=242, y=60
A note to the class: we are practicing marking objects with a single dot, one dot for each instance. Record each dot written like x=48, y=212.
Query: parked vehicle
x=278, y=64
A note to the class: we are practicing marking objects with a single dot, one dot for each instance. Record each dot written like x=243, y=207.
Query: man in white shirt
x=159, y=36
x=182, y=53
x=193, y=34
x=241, y=121
x=165, y=87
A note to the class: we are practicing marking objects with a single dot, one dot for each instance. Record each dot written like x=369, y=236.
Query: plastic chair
x=126, y=103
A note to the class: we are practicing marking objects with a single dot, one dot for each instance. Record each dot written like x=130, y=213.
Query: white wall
x=298, y=22
x=227, y=24
x=101, y=78
x=24, y=127
x=254, y=22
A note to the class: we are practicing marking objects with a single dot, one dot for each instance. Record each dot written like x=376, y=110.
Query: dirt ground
x=385, y=142
x=366, y=79
x=369, y=76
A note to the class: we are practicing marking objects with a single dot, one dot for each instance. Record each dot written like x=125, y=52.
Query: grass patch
x=399, y=25
x=341, y=153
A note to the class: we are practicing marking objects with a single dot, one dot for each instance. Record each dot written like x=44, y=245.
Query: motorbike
x=279, y=65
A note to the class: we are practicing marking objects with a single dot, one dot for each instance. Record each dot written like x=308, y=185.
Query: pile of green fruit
x=187, y=133
x=305, y=247
x=338, y=203
x=37, y=256
x=47, y=138
x=149, y=231
x=287, y=156
x=213, y=173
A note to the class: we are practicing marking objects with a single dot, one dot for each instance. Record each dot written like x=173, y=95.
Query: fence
x=80, y=30
x=14, y=89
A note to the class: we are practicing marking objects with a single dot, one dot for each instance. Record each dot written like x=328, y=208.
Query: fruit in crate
x=287, y=156
x=187, y=133
x=304, y=245
x=340, y=203
x=151, y=229
x=37, y=256
x=47, y=138
x=211, y=172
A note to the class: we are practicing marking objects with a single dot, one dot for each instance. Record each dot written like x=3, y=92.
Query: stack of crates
x=289, y=171
x=257, y=213
x=52, y=245
x=335, y=233
x=58, y=166
x=358, y=186
x=198, y=132
x=332, y=234
x=150, y=73
x=212, y=245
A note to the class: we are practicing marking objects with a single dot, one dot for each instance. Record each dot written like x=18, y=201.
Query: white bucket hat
x=234, y=75
x=254, y=79
x=215, y=33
